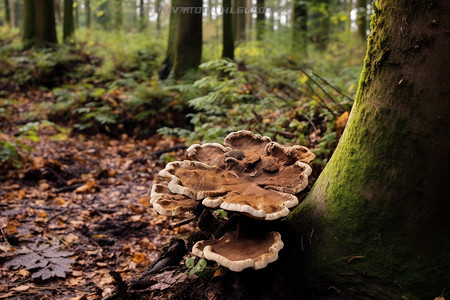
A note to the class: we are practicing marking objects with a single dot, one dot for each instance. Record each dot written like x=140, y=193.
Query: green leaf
x=199, y=267
x=190, y=262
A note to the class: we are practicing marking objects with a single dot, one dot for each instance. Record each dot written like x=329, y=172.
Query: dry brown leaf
x=76, y=273
x=21, y=288
x=341, y=122
x=136, y=218
x=139, y=257
x=59, y=201
x=23, y=273
x=11, y=229
x=144, y=201
x=70, y=238
x=85, y=187
x=101, y=264
x=42, y=214
x=21, y=194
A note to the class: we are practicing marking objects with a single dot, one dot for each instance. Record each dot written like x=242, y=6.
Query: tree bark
x=7, y=13
x=166, y=67
x=188, y=42
x=323, y=35
x=142, y=18
x=376, y=223
x=361, y=19
x=68, y=24
x=29, y=21
x=228, y=30
x=240, y=20
x=45, y=27
x=58, y=11
x=348, y=20
x=87, y=4
x=158, y=14
x=299, y=29
x=260, y=19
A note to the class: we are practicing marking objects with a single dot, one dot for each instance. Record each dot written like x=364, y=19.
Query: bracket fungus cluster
x=250, y=175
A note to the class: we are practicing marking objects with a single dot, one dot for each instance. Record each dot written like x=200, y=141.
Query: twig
x=174, y=148
x=181, y=223
x=68, y=188
x=331, y=86
x=354, y=257
x=122, y=288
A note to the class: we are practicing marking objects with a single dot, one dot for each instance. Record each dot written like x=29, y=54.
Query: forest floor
x=78, y=210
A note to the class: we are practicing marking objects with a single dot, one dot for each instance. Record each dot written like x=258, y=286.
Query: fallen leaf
x=42, y=214
x=144, y=201
x=11, y=229
x=85, y=187
x=23, y=273
x=59, y=201
x=70, y=238
x=136, y=218
x=21, y=288
x=341, y=122
x=139, y=257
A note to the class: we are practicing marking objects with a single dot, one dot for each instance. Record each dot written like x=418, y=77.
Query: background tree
x=361, y=19
x=260, y=19
x=167, y=64
x=323, y=20
x=299, y=28
x=240, y=20
x=377, y=217
x=87, y=5
x=7, y=13
x=142, y=18
x=228, y=30
x=29, y=21
x=188, y=41
x=45, y=32
x=68, y=26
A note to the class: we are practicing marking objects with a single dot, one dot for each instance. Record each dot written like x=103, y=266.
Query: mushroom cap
x=168, y=204
x=240, y=253
x=250, y=174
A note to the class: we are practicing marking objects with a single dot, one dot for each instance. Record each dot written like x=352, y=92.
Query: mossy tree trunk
x=299, y=29
x=361, y=19
x=348, y=20
x=166, y=67
x=158, y=14
x=228, y=30
x=188, y=37
x=142, y=17
x=376, y=224
x=68, y=25
x=29, y=21
x=45, y=27
x=260, y=19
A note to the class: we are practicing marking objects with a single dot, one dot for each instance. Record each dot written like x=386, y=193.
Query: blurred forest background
x=97, y=96
x=286, y=69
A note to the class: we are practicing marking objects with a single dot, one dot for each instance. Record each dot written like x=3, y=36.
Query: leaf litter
x=78, y=209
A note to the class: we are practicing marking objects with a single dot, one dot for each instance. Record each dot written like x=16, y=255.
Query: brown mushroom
x=169, y=204
x=238, y=253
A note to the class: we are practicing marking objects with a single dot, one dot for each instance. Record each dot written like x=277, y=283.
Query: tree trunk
x=87, y=4
x=166, y=67
x=142, y=18
x=361, y=19
x=68, y=25
x=260, y=19
x=324, y=25
x=188, y=42
x=117, y=14
x=240, y=19
x=348, y=20
x=158, y=14
x=45, y=34
x=7, y=13
x=58, y=11
x=228, y=30
x=248, y=21
x=13, y=13
x=376, y=223
x=29, y=23
x=299, y=29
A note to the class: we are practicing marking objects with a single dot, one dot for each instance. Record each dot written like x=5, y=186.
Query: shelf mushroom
x=249, y=174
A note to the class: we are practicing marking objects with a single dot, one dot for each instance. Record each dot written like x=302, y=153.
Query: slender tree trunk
x=58, y=11
x=158, y=14
x=7, y=13
x=240, y=19
x=248, y=21
x=166, y=67
x=188, y=42
x=260, y=19
x=348, y=20
x=299, y=29
x=29, y=23
x=361, y=19
x=117, y=14
x=142, y=17
x=210, y=5
x=45, y=23
x=376, y=223
x=76, y=12
x=323, y=35
x=87, y=4
x=68, y=25
x=13, y=13
x=228, y=30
